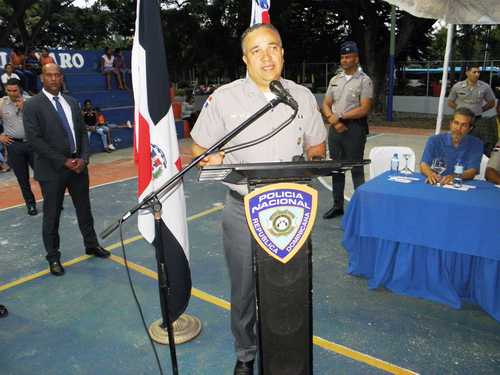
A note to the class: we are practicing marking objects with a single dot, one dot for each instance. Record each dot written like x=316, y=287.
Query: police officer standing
x=224, y=110
x=479, y=97
x=346, y=105
x=472, y=93
x=14, y=139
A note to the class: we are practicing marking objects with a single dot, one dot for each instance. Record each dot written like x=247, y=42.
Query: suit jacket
x=46, y=134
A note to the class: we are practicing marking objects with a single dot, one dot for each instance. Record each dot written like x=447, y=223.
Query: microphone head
x=277, y=89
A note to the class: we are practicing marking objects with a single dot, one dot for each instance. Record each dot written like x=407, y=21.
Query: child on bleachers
x=101, y=119
x=95, y=125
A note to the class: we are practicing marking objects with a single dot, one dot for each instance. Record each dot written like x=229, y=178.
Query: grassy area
x=409, y=120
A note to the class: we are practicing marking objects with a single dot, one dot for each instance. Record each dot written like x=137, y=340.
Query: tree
x=23, y=20
x=368, y=23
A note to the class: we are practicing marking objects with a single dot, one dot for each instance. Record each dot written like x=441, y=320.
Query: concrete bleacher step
x=105, y=99
x=77, y=82
x=119, y=115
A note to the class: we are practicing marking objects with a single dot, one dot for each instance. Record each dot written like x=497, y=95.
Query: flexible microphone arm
x=172, y=182
x=227, y=150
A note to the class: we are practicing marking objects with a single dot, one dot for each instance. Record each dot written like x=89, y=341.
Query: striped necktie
x=64, y=120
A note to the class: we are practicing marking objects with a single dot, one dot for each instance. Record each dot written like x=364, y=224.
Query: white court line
x=90, y=188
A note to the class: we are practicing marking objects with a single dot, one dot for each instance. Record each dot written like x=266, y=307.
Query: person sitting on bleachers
x=90, y=117
x=120, y=67
x=18, y=61
x=107, y=69
x=45, y=58
x=101, y=120
x=9, y=73
x=32, y=63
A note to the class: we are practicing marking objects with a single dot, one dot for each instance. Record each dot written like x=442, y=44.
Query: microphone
x=278, y=90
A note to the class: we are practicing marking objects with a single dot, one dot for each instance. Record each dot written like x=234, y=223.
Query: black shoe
x=56, y=268
x=32, y=211
x=243, y=368
x=3, y=311
x=333, y=212
x=98, y=251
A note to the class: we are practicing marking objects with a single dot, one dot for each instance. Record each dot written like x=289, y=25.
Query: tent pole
x=444, y=79
x=392, y=49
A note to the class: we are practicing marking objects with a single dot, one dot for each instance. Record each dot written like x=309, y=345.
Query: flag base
x=186, y=328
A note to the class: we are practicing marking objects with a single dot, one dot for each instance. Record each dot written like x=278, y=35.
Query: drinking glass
x=406, y=170
x=438, y=166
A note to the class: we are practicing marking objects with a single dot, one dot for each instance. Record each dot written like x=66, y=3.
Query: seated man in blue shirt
x=451, y=147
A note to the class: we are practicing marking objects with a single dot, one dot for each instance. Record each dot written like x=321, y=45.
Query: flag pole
x=163, y=282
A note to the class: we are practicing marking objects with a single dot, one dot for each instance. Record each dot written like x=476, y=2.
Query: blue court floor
x=86, y=322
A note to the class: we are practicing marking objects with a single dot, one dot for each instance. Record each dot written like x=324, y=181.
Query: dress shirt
x=66, y=108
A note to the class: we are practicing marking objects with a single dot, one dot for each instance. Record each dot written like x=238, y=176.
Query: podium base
x=186, y=328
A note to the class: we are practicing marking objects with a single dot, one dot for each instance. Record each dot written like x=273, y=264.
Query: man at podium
x=223, y=111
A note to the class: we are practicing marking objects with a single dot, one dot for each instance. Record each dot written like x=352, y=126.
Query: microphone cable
x=136, y=299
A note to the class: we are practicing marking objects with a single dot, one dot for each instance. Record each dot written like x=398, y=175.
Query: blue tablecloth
x=427, y=241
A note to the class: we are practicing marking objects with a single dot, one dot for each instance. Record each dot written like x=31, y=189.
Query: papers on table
x=403, y=179
x=461, y=188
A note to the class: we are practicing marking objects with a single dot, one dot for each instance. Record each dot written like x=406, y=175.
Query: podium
x=283, y=274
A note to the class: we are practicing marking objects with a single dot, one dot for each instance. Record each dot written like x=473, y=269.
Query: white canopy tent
x=474, y=12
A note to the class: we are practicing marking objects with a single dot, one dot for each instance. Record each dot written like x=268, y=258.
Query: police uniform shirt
x=348, y=92
x=471, y=97
x=12, y=118
x=494, y=161
x=235, y=102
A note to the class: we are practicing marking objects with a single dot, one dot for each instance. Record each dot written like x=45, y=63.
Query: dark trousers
x=53, y=196
x=349, y=145
x=20, y=158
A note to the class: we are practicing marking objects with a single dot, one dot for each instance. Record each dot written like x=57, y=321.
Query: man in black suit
x=57, y=134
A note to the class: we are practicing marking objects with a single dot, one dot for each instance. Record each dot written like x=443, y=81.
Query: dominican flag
x=260, y=12
x=156, y=151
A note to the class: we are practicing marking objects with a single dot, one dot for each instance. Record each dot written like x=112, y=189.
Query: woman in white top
x=107, y=69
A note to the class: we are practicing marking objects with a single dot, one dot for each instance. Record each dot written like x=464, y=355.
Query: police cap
x=348, y=47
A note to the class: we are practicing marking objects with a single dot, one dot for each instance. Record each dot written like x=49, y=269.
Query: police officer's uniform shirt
x=471, y=97
x=12, y=118
x=347, y=91
x=235, y=102
x=494, y=161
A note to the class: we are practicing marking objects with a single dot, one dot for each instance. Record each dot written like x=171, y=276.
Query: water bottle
x=394, y=164
x=458, y=170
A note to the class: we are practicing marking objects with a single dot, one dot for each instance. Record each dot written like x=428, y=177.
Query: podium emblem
x=281, y=217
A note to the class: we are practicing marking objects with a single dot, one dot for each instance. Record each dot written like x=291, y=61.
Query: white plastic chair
x=482, y=168
x=381, y=159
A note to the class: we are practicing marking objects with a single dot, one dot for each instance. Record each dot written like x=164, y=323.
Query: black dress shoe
x=243, y=368
x=3, y=311
x=56, y=268
x=32, y=211
x=98, y=251
x=333, y=212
